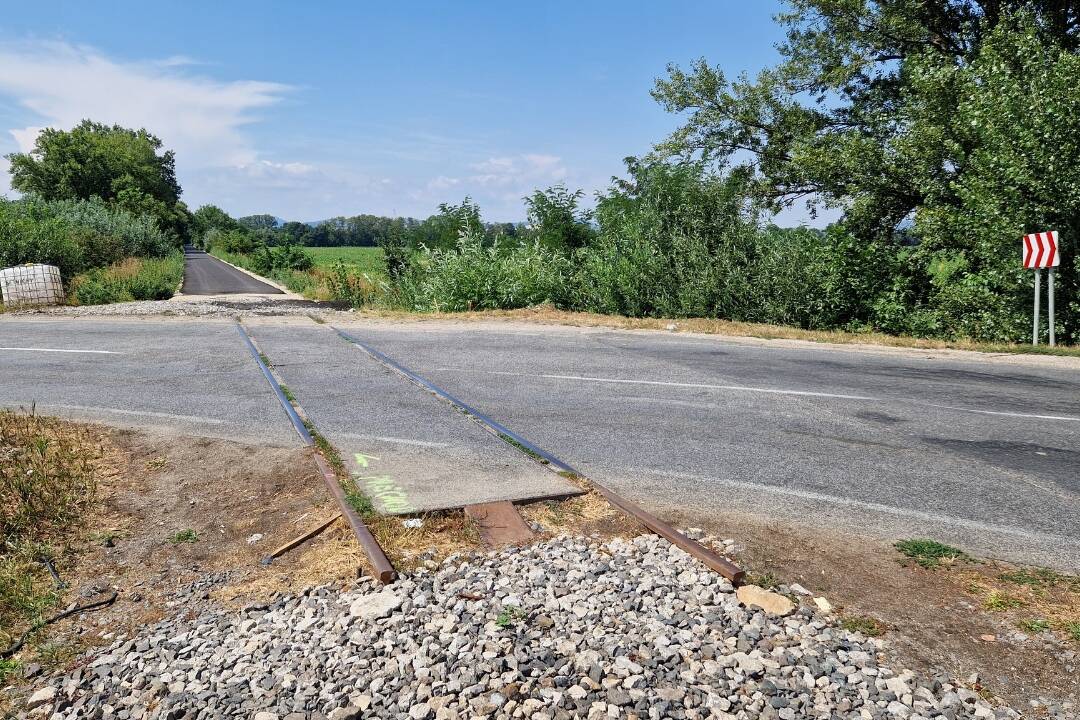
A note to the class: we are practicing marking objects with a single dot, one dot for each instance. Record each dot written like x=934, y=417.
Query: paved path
x=204, y=274
x=982, y=453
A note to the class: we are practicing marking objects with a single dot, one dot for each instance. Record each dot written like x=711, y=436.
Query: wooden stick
x=301, y=539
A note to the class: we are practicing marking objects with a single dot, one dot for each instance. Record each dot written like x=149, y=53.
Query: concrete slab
x=408, y=450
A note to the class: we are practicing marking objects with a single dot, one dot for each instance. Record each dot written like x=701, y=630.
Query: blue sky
x=309, y=110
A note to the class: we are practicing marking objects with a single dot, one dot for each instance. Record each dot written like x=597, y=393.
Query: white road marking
x=118, y=411
x=63, y=350
x=774, y=391
x=862, y=505
x=399, y=441
x=1007, y=414
x=704, y=386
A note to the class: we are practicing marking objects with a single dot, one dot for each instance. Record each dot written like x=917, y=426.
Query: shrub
x=130, y=279
x=76, y=236
x=475, y=276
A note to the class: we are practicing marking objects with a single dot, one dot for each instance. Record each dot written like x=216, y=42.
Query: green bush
x=131, y=279
x=477, y=276
x=76, y=236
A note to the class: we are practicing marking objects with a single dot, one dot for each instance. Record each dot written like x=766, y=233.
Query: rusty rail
x=710, y=558
x=384, y=571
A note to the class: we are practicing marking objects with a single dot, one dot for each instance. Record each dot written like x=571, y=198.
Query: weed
x=131, y=279
x=288, y=394
x=265, y=360
x=8, y=667
x=47, y=481
x=54, y=654
x=764, y=580
x=1072, y=629
x=997, y=601
x=360, y=502
x=184, y=536
x=1033, y=626
x=157, y=463
x=527, y=450
x=1041, y=578
x=929, y=554
x=509, y=615
x=863, y=624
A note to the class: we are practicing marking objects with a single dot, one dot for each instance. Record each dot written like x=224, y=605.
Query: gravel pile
x=568, y=628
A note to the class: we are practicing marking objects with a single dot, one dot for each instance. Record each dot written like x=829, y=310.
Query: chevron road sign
x=1041, y=251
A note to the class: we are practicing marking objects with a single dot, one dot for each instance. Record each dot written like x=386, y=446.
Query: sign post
x=1041, y=251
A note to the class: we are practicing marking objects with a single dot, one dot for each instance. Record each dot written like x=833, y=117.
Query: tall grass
x=47, y=482
x=130, y=279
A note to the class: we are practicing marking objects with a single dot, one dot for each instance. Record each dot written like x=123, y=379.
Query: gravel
x=244, y=306
x=573, y=627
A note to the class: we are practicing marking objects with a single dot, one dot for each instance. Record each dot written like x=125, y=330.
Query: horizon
x=481, y=101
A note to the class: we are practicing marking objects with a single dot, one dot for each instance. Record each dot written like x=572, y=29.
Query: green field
x=364, y=259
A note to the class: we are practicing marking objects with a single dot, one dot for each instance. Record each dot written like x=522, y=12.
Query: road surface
x=978, y=451
x=204, y=274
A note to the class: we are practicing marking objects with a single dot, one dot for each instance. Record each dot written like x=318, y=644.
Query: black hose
x=96, y=605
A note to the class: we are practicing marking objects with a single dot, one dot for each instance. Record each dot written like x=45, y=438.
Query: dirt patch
x=935, y=619
x=182, y=521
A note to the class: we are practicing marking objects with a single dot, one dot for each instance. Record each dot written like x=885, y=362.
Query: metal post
x=1035, y=319
x=1050, y=304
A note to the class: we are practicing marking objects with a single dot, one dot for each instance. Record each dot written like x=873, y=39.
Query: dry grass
x=586, y=514
x=440, y=535
x=1030, y=599
x=548, y=315
x=49, y=472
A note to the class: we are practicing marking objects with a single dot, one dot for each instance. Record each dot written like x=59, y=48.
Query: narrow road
x=204, y=274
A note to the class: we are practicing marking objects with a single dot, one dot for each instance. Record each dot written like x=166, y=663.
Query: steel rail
x=710, y=558
x=384, y=571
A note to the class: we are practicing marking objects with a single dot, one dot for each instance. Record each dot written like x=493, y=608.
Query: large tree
x=119, y=165
x=957, y=119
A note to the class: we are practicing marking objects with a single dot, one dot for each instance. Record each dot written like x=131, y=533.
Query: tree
x=556, y=220
x=258, y=222
x=910, y=113
x=116, y=164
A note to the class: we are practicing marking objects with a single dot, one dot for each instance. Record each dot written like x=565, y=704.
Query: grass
x=1041, y=579
x=1033, y=626
x=288, y=394
x=765, y=580
x=864, y=624
x=184, y=536
x=509, y=615
x=363, y=259
x=47, y=483
x=1072, y=629
x=997, y=601
x=131, y=279
x=929, y=554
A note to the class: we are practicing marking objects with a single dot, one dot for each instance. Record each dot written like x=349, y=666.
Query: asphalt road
x=171, y=376
x=204, y=274
x=980, y=453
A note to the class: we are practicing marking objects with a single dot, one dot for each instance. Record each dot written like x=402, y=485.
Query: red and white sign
x=1041, y=250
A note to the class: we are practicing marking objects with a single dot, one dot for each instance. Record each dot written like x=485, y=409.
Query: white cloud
x=200, y=118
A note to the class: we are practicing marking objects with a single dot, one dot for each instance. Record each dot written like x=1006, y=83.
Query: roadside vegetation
x=47, y=484
x=912, y=124
x=102, y=204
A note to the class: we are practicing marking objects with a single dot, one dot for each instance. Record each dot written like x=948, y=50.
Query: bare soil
x=175, y=510
x=935, y=619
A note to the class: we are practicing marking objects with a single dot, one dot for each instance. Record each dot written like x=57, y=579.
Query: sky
x=312, y=110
